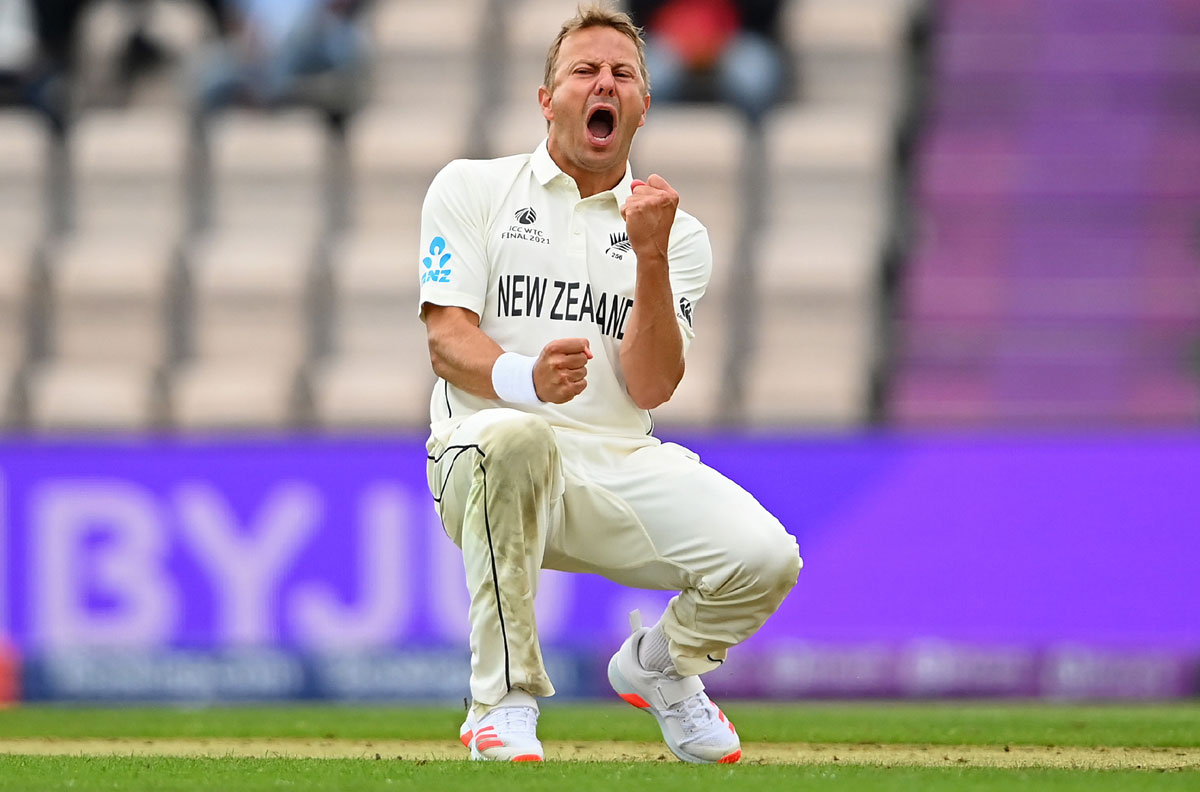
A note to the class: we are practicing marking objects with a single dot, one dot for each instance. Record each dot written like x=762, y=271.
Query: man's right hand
x=560, y=373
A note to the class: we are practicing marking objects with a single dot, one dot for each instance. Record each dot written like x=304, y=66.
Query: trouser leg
x=498, y=483
x=685, y=527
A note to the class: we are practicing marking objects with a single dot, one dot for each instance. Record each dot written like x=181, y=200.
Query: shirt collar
x=545, y=169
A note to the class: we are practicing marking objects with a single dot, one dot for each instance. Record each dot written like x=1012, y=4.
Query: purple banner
x=927, y=559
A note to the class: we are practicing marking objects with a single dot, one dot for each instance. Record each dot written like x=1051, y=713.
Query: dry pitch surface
x=890, y=755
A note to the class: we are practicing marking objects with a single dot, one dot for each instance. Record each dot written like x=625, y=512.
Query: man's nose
x=606, y=83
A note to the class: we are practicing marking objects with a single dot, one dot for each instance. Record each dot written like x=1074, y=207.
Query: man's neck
x=594, y=186
x=588, y=182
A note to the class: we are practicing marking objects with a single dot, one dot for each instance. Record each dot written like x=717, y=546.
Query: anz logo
x=619, y=245
x=437, y=263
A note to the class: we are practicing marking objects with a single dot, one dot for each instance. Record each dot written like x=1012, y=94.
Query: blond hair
x=596, y=15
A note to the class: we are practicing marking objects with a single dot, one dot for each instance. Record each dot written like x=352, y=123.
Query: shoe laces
x=513, y=720
x=695, y=713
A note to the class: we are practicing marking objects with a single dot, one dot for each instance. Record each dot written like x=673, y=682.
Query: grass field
x=827, y=746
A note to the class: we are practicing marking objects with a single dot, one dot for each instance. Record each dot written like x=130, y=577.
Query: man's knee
x=770, y=565
x=518, y=441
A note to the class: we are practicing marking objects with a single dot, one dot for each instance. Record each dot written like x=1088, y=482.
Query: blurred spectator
x=47, y=78
x=728, y=50
x=46, y=85
x=278, y=53
x=283, y=51
x=18, y=42
x=142, y=53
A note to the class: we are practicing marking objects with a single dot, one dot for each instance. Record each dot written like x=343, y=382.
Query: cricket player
x=558, y=294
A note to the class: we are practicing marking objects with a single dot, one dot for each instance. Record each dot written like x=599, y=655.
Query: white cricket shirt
x=511, y=240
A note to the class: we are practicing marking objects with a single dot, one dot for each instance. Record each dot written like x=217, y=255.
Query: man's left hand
x=649, y=213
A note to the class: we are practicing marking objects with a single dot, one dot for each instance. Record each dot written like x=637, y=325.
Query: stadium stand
x=267, y=172
x=108, y=300
x=287, y=304
x=16, y=302
x=23, y=168
x=371, y=328
x=1053, y=277
x=125, y=168
x=94, y=397
x=235, y=395
x=853, y=52
x=249, y=330
x=672, y=145
x=820, y=266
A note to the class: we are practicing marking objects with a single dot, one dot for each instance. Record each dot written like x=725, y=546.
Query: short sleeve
x=452, y=263
x=691, y=267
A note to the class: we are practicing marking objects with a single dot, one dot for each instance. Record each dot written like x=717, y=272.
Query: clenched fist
x=649, y=213
x=560, y=373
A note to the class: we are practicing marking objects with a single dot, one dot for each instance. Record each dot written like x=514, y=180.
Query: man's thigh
x=453, y=467
x=660, y=519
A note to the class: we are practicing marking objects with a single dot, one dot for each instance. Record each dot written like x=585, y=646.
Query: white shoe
x=505, y=733
x=694, y=728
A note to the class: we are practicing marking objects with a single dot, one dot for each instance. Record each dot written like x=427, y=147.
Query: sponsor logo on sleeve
x=685, y=310
x=437, y=263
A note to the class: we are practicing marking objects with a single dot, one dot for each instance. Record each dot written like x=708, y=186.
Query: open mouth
x=601, y=124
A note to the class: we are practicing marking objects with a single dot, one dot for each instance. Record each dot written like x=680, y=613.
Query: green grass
x=1166, y=725
x=252, y=775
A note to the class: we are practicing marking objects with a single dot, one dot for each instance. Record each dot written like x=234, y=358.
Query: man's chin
x=602, y=162
x=601, y=148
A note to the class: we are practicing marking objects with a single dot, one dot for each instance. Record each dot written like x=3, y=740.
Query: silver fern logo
x=619, y=245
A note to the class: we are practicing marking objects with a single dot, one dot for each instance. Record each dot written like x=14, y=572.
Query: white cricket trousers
x=518, y=496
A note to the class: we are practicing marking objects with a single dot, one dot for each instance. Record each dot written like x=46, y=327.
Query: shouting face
x=596, y=104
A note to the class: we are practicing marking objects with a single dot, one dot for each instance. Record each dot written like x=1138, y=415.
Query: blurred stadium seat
x=813, y=362
x=700, y=150
x=699, y=399
x=16, y=297
x=11, y=403
x=249, y=331
x=109, y=296
x=251, y=294
x=425, y=56
x=68, y=396
x=267, y=171
x=531, y=25
x=394, y=157
x=374, y=298
x=377, y=372
x=852, y=52
x=351, y=393
x=830, y=168
x=218, y=395
x=128, y=171
x=23, y=153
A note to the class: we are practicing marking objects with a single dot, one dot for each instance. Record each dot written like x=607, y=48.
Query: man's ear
x=645, y=107
x=544, y=97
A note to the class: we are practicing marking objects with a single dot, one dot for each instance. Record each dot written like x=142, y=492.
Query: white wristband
x=512, y=378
